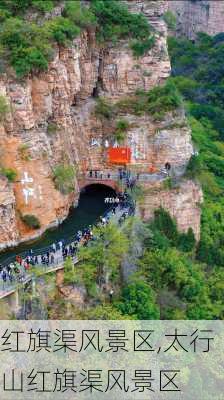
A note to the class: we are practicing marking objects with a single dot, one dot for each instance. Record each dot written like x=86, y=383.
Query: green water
x=91, y=206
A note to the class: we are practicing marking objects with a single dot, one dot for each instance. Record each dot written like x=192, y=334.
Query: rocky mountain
x=198, y=16
x=52, y=121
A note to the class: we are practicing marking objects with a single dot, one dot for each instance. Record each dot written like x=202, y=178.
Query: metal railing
x=111, y=175
x=6, y=286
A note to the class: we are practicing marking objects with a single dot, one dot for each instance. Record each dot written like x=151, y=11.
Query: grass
x=9, y=173
x=63, y=176
x=4, y=108
x=31, y=221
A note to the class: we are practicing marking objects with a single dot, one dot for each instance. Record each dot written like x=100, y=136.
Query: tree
x=63, y=176
x=71, y=272
x=165, y=224
x=101, y=259
x=138, y=300
x=186, y=241
x=170, y=19
x=104, y=312
x=116, y=22
x=79, y=15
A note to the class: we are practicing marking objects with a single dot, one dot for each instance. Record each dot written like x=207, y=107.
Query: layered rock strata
x=198, y=16
x=64, y=97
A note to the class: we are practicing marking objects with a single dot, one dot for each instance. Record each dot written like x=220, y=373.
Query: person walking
x=111, y=293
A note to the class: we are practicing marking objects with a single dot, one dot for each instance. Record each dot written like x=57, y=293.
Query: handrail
x=44, y=250
x=10, y=286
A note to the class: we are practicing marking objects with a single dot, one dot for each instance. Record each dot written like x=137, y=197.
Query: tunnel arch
x=112, y=184
x=97, y=196
x=110, y=190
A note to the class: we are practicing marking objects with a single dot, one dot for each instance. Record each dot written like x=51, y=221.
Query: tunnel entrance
x=92, y=202
x=90, y=207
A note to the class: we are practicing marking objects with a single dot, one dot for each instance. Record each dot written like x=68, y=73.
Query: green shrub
x=138, y=300
x=80, y=16
x=116, y=22
x=16, y=7
x=209, y=184
x=188, y=87
x=10, y=174
x=170, y=19
x=122, y=125
x=26, y=46
x=4, y=15
x=30, y=60
x=135, y=105
x=4, y=108
x=140, y=47
x=103, y=108
x=186, y=241
x=165, y=224
x=121, y=130
x=167, y=184
x=71, y=274
x=157, y=102
x=63, y=176
x=52, y=128
x=62, y=30
x=43, y=5
x=31, y=221
x=137, y=193
x=194, y=167
x=162, y=99
x=158, y=240
x=24, y=152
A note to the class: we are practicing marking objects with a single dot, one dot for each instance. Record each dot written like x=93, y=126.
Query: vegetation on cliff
x=28, y=45
x=64, y=176
x=177, y=277
x=170, y=19
x=198, y=70
x=169, y=282
x=157, y=102
x=31, y=221
x=9, y=173
x=4, y=108
x=114, y=22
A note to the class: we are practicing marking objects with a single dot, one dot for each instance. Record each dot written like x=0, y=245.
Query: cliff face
x=8, y=229
x=198, y=16
x=182, y=203
x=65, y=97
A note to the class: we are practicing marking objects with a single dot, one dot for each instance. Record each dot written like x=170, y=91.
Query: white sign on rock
x=29, y=190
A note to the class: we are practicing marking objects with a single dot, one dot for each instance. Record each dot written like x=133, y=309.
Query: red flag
x=119, y=155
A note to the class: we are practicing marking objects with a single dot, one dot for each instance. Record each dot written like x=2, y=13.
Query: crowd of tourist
x=123, y=175
x=17, y=270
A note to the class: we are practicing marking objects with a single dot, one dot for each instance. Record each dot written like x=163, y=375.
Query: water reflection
x=91, y=206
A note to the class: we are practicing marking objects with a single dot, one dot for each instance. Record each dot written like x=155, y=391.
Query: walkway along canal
x=52, y=258
x=91, y=206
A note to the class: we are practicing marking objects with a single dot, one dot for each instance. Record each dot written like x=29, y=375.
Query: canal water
x=91, y=206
